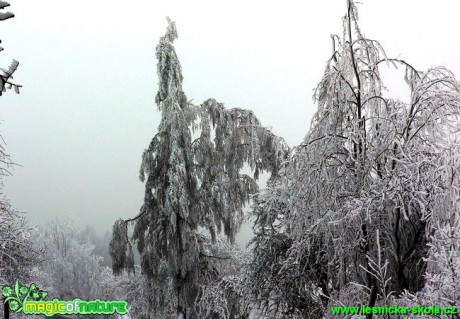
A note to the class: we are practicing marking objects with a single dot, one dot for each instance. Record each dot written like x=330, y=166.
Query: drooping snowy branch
x=193, y=184
x=369, y=165
x=7, y=74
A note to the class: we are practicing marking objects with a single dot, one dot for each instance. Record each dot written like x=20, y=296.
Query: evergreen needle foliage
x=192, y=184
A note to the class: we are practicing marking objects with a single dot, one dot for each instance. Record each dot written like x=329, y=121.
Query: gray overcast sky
x=88, y=68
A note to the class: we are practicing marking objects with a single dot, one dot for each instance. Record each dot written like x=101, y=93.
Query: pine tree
x=191, y=185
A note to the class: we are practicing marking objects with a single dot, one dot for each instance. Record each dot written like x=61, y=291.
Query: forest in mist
x=365, y=211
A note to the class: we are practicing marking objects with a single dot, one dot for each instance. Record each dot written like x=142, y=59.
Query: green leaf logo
x=19, y=294
x=7, y=291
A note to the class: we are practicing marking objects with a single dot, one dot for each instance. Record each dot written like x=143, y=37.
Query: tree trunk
x=180, y=313
x=6, y=310
x=181, y=310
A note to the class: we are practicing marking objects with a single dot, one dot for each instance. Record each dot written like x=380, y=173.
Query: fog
x=88, y=69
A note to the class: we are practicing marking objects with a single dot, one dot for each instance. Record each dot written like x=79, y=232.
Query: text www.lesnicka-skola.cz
x=395, y=310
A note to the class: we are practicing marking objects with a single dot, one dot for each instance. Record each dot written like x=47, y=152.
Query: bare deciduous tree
x=16, y=251
x=351, y=220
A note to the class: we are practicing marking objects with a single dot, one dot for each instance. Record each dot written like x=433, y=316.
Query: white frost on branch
x=369, y=165
x=193, y=184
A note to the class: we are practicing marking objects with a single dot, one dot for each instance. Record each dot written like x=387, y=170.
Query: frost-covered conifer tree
x=355, y=217
x=192, y=184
